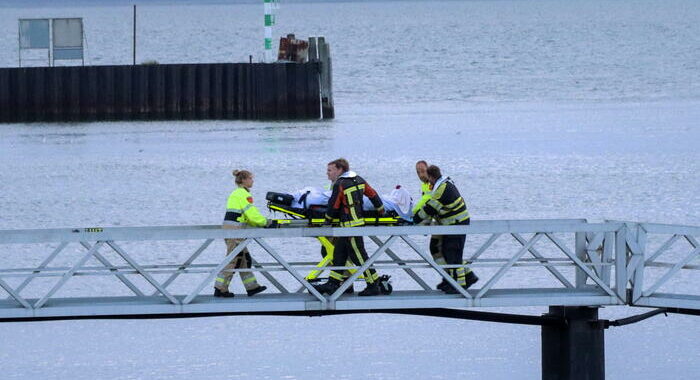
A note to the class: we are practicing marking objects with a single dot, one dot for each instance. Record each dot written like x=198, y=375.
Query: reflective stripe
x=348, y=192
x=246, y=208
x=353, y=213
x=235, y=210
x=249, y=279
x=222, y=280
x=454, y=204
x=337, y=276
x=462, y=216
x=354, y=223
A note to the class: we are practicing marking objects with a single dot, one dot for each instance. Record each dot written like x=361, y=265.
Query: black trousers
x=353, y=248
x=452, y=249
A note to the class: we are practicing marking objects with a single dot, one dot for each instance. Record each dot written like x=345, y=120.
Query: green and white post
x=270, y=6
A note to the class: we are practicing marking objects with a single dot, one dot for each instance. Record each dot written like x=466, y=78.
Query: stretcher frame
x=314, y=275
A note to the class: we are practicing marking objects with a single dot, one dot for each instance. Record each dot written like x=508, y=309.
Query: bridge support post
x=575, y=350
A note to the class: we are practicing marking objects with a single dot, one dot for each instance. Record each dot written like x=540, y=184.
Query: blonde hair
x=241, y=175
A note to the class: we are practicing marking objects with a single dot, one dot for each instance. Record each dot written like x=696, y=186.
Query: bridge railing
x=520, y=262
x=663, y=264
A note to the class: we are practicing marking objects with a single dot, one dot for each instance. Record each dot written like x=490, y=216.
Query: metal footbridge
x=572, y=266
x=68, y=273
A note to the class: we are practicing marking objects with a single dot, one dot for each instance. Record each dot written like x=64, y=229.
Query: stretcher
x=314, y=215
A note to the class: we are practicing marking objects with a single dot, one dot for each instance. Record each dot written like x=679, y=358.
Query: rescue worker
x=447, y=207
x=435, y=240
x=345, y=204
x=240, y=213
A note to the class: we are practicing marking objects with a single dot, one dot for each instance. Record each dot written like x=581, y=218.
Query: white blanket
x=399, y=200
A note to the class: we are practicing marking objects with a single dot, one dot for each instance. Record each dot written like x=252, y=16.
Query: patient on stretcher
x=314, y=201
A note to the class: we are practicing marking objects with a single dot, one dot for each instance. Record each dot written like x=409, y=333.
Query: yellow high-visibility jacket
x=425, y=192
x=240, y=210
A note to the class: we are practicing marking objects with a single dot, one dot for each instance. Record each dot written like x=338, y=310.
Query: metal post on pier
x=575, y=350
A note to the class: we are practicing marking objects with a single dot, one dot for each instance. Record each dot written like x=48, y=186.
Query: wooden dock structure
x=244, y=91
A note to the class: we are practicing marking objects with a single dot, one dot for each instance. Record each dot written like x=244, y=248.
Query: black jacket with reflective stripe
x=346, y=200
x=446, y=205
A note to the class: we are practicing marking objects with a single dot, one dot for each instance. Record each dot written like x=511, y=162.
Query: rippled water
x=538, y=109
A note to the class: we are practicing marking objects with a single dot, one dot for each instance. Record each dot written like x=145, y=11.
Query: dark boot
x=471, y=279
x=385, y=284
x=329, y=287
x=371, y=290
x=443, y=285
x=349, y=290
x=255, y=291
x=219, y=293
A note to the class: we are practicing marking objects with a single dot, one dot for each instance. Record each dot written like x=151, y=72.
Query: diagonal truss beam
x=663, y=248
x=113, y=268
x=142, y=272
x=69, y=274
x=692, y=255
x=186, y=264
x=429, y=259
x=581, y=265
x=544, y=261
x=492, y=281
x=292, y=271
x=370, y=260
x=41, y=266
x=14, y=294
x=484, y=247
x=270, y=277
x=210, y=277
x=396, y=258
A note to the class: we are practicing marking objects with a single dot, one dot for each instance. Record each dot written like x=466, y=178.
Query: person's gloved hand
x=272, y=224
x=417, y=219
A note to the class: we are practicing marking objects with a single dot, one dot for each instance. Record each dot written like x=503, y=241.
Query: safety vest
x=445, y=205
x=425, y=192
x=241, y=211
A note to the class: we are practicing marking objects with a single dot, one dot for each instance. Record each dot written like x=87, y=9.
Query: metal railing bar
x=484, y=247
x=217, y=232
x=606, y=262
x=187, y=263
x=111, y=267
x=632, y=265
x=124, y=269
x=497, y=276
x=142, y=272
x=596, y=242
x=68, y=274
x=658, y=264
x=663, y=248
x=269, y=277
x=583, y=266
x=291, y=270
x=690, y=257
x=374, y=256
x=43, y=264
x=83, y=272
x=537, y=255
x=429, y=259
x=14, y=294
x=227, y=259
x=397, y=260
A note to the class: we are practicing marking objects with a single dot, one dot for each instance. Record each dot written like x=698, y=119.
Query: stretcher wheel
x=388, y=289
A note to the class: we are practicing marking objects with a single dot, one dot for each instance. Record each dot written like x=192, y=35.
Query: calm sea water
x=538, y=109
